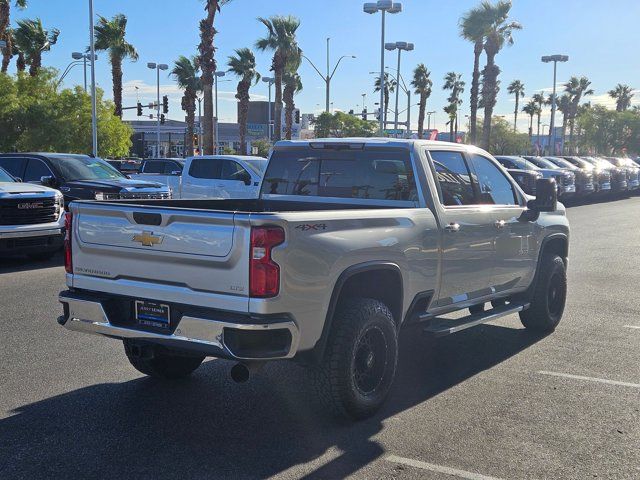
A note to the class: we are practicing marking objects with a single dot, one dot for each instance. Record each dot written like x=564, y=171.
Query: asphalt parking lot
x=491, y=402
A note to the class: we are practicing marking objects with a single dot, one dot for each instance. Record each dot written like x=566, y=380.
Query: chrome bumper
x=201, y=335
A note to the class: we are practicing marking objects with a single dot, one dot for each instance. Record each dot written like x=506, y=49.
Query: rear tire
x=160, y=363
x=549, y=296
x=359, y=366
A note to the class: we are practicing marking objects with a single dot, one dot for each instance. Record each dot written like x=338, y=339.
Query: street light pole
x=157, y=67
x=199, y=126
x=382, y=6
x=400, y=46
x=270, y=81
x=329, y=76
x=429, y=119
x=219, y=73
x=552, y=131
x=94, y=108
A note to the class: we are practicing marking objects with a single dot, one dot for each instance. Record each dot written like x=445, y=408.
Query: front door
x=468, y=233
x=514, y=242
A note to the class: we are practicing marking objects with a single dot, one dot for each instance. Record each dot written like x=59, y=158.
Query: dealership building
x=173, y=133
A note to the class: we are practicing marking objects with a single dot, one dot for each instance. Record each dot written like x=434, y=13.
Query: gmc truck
x=350, y=241
x=31, y=219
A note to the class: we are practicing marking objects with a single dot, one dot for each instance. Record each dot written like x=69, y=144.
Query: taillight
x=68, y=222
x=264, y=273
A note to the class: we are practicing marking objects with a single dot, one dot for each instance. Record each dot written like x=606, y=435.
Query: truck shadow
x=208, y=427
x=24, y=263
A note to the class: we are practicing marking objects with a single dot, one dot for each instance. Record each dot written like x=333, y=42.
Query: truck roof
x=381, y=141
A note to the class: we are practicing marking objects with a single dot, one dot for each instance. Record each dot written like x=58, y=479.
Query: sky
x=600, y=38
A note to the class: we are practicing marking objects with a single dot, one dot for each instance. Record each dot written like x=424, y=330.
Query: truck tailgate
x=172, y=254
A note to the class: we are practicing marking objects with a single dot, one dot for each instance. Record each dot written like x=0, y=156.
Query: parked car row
x=576, y=177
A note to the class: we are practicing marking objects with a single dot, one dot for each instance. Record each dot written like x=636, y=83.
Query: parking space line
x=636, y=327
x=438, y=468
x=591, y=379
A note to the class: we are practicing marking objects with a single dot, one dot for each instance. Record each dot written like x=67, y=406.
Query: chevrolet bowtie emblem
x=147, y=239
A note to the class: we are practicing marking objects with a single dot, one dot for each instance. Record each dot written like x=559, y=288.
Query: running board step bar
x=439, y=326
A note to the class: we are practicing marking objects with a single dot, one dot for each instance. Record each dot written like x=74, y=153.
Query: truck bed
x=251, y=205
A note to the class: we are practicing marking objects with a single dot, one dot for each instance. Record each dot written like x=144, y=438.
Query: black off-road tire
x=549, y=296
x=359, y=365
x=160, y=363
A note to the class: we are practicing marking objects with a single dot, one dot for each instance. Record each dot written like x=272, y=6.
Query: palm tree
x=499, y=33
x=292, y=85
x=110, y=36
x=185, y=72
x=207, y=63
x=422, y=84
x=453, y=81
x=622, y=95
x=5, y=31
x=531, y=109
x=243, y=64
x=32, y=39
x=281, y=39
x=473, y=27
x=516, y=88
x=576, y=88
x=540, y=101
x=390, y=85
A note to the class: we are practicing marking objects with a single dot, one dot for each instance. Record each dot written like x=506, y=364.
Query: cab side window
x=205, y=168
x=36, y=169
x=233, y=171
x=495, y=188
x=14, y=165
x=454, y=178
x=154, y=166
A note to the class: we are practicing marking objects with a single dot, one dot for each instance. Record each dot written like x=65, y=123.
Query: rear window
x=371, y=174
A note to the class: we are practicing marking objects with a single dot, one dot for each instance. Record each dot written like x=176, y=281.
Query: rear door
x=202, y=179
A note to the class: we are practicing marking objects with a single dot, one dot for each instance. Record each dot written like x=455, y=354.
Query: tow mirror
x=246, y=178
x=546, y=196
x=48, y=181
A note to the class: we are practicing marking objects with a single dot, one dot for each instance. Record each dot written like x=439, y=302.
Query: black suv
x=79, y=177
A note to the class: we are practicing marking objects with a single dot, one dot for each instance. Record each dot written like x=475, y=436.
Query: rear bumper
x=278, y=338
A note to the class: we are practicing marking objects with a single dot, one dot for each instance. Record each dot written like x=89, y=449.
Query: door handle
x=452, y=227
x=500, y=224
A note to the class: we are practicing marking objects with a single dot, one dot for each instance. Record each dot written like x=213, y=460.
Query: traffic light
x=165, y=104
x=162, y=119
x=139, y=106
x=297, y=117
x=364, y=114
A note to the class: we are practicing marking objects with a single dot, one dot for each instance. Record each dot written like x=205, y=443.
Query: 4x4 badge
x=147, y=239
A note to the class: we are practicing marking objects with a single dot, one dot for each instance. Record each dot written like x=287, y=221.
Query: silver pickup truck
x=350, y=241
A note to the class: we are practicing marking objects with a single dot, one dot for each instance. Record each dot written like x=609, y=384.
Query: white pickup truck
x=31, y=218
x=215, y=176
x=350, y=241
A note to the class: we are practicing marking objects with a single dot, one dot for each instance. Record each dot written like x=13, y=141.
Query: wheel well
x=557, y=246
x=384, y=285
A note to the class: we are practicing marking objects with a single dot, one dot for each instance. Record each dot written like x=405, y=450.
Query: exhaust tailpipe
x=241, y=372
